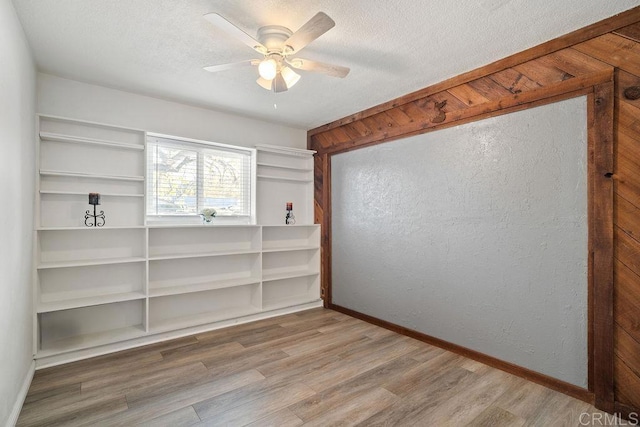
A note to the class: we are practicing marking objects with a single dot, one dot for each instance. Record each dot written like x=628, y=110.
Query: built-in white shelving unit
x=284, y=175
x=101, y=289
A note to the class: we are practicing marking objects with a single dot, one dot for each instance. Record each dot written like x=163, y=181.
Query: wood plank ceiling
x=540, y=75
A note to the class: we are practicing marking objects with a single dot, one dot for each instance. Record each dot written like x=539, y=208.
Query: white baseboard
x=17, y=406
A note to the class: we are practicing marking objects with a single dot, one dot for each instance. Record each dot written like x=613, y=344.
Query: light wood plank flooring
x=317, y=367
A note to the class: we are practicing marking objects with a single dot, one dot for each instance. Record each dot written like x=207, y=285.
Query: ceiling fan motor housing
x=273, y=38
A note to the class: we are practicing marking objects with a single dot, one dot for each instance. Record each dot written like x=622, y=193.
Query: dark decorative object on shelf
x=98, y=218
x=290, y=219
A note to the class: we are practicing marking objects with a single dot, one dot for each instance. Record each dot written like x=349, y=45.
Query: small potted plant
x=207, y=215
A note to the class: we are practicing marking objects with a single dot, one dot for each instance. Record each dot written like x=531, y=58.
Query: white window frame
x=195, y=218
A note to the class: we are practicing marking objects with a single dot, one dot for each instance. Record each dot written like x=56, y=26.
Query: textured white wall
x=73, y=99
x=476, y=235
x=17, y=170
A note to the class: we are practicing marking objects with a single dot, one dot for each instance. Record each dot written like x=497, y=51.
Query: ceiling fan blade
x=264, y=83
x=279, y=85
x=231, y=66
x=236, y=32
x=314, y=28
x=319, y=67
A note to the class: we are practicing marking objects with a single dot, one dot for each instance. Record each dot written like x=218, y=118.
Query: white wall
x=73, y=99
x=17, y=169
x=476, y=235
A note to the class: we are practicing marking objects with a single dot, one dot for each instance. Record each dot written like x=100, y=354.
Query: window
x=185, y=177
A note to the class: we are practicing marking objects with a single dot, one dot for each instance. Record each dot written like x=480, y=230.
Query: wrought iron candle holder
x=98, y=218
x=290, y=219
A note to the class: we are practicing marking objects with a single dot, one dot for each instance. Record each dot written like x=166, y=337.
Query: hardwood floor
x=317, y=367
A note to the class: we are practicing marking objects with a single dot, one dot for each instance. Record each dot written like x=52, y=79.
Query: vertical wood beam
x=322, y=199
x=601, y=105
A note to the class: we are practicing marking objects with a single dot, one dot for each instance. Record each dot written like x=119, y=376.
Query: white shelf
x=84, y=263
x=281, y=178
x=291, y=248
x=286, y=151
x=45, y=172
x=178, y=226
x=293, y=168
x=49, y=136
x=46, y=307
x=124, y=227
x=90, y=340
x=78, y=193
x=203, y=254
x=199, y=287
x=287, y=302
x=288, y=275
x=201, y=319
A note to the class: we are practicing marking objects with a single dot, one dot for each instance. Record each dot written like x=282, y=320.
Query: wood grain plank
x=601, y=107
x=333, y=398
x=626, y=216
x=627, y=250
x=631, y=32
x=414, y=409
x=182, y=417
x=143, y=407
x=398, y=116
x=514, y=81
x=87, y=410
x=352, y=365
x=628, y=179
x=464, y=409
x=614, y=50
x=467, y=95
x=489, y=89
x=542, y=73
x=451, y=102
x=516, y=102
x=356, y=410
x=574, y=62
x=628, y=350
x=625, y=81
x=628, y=147
x=49, y=378
x=145, y=381
x=251, y=407
x=627, y=384
x=36, y=396
x=627, y=300
x=250, y=359
x=494, y=416
x=406, y=383
x=629, y=120
x=281, y=418
x=526, y=400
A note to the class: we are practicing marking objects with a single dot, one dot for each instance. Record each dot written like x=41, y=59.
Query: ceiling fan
x=277, y=45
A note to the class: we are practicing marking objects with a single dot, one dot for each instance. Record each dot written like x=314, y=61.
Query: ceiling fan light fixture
x=290, y=77
x=268, y=69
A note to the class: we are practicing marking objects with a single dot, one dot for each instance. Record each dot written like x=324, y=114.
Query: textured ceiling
x=393, y=47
